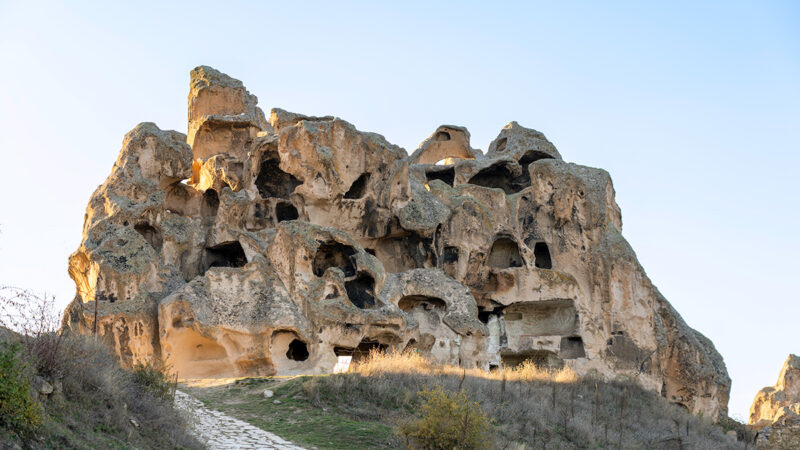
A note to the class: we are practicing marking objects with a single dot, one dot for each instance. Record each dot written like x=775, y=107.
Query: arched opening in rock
x=450, y=260
x=486, y=312
x=505, y=254
x=359, y=187
x=500, y=176
x=272, y=181
x=193, y=355
x=447, y=176
x=542, y=359
x=571, y=347
x=362, y=351
x=532, y=156
x=410, y=302
x=334, y=254
x=501, y=145
x=297, y=351
x=442, y=136
x=210, y=203
x=150, y=234
x=361, y=291
x=285, y=211
x=542, y=256
x=229, y=254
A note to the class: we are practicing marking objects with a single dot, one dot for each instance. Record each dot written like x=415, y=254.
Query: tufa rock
x=263, y=247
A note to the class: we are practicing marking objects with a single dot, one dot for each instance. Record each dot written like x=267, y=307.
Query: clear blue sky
x=693, y=108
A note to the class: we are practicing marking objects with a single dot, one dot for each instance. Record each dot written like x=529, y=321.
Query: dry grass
x=531, y=408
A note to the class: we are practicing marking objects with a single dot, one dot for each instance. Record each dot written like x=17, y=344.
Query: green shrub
x=19, y=412
x=449, y=420
x=155, y=379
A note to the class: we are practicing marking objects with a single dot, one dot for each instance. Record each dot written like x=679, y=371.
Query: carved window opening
x=297, y=351
x=501, y=145
x=505, y=254
x=210, y=203
x=229, y=254
x=532, y=156
x=362, y=351
x=358, y=188
x=361, y=291
x=500, y=176
x=150, y=234
x=542, y=256
x=272, y=181
x=572, y=347
x=410, y=302
x=442, y=136
x=285, y=211
x=334, y=254
x=447, y=176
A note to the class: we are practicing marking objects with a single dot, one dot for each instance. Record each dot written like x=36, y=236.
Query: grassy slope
x=361, y=409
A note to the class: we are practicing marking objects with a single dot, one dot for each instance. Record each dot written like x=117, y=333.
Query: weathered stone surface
x=279, y=247
x=779, y=403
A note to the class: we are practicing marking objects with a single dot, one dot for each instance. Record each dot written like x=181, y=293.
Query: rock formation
x=255, y=246
x=776, y=409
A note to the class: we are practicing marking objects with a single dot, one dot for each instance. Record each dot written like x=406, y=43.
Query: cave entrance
x=542, y=256
x=272, y=181
x=362, y=351
x=571, y=347
x=285, y=211
x=532, y=156
x=505, y=254
x=447, y=176
x=358, y=188
x=334, y=254
x=229, y=254
x=410, y=302
x=501, y=176
x=297, y=351
x=210, y=203
x=150, y=234
x=361, y=291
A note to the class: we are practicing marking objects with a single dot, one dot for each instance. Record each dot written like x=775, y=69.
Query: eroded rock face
x=278, y=246
x=775, y=411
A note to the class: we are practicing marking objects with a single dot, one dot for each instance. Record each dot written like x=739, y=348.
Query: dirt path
x=221, y=431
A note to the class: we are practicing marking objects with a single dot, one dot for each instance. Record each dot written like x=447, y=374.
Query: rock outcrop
x=259, y=246
x=775, y=411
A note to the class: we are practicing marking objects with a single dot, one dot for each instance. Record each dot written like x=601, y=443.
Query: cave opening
x=150, y=234
x=358, y=188
x=442, y=136
x=285, y=211
x=362, y=351
x=505, y=254
x=297, y=351
x=500, y=176
x=450, y=255
x=361, y=291
x=334, y=254
x=532, y=156
x=572, y=347
x=410, y=302
x=210, y=203
x=272, y=181
x=542, y=258
x=229, y=254
x=447, y=176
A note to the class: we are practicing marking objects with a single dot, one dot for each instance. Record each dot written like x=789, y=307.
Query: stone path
x=221, y=431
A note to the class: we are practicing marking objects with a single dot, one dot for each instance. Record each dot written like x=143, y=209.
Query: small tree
x=449, y=420
x=18, y=410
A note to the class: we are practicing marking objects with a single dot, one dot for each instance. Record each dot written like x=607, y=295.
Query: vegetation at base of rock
x=84, y=398
x=156, y=379
x=365, y=407
x=19, y=413
x=448, y=420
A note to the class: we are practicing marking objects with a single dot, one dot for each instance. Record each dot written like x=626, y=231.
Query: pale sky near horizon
x=693, y=107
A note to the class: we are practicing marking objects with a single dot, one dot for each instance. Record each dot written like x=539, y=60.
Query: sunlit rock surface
x=260, y=246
